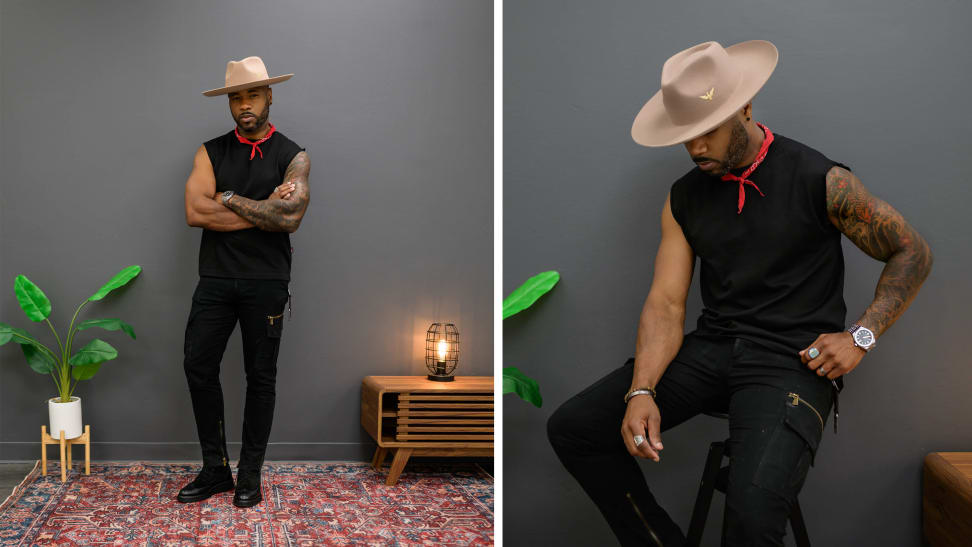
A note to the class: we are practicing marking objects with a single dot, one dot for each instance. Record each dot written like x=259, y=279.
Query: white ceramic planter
x=66, y=416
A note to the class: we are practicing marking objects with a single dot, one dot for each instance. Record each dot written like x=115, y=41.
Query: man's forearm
x=212, y=215
x=660, y=333
x=271, y=215
x=900, y=280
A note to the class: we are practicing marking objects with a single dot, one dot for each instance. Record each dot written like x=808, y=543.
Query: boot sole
x=249, y=502
x=213, y=490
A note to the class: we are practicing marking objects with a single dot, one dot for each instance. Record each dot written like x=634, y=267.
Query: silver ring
x=638, y=439
x=813, y=353
x=821, y=371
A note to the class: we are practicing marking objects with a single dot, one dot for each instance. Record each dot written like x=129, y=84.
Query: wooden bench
x=947, y=499
x=412, y=415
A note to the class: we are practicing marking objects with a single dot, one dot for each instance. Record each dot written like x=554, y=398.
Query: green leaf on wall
x=528, y=293
x=107, y=324
x=525, y=387
x=120, y=279
x=32, y=300
x=95, y=352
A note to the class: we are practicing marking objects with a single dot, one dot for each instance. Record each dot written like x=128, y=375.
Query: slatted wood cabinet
x=412, y=415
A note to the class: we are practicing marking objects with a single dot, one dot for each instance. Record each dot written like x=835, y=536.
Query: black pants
x=777, y=409
x=217, y=304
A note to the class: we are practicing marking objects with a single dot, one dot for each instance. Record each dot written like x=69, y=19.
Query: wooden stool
x=66, y=445
x=716, y=477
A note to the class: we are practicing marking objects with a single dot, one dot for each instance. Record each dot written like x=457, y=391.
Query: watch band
x=639, y=391
x=227, y=195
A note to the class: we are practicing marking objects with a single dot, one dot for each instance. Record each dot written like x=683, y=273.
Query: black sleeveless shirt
x=251, y=253
x=774, y=273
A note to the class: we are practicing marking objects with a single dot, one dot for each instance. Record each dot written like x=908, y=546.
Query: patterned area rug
x=307, y=503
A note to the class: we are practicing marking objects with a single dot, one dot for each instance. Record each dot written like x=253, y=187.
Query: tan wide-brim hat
x=701, y=88
x=250, y=72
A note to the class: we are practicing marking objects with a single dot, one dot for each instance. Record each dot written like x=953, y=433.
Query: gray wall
x=881, y=86
x=101, y=113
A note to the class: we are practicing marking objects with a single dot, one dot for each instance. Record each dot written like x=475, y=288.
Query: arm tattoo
x=279, y=215
x=881, y=232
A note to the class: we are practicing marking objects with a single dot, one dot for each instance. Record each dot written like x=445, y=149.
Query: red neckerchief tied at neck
x=255, y=145
x=743, y=181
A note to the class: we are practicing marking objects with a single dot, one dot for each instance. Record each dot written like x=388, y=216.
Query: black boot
x=248, y=491
x=211, y=480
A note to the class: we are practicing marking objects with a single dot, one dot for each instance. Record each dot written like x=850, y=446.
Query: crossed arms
x=204, y=208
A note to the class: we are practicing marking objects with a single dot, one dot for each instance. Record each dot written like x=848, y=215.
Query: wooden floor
x=11, y=474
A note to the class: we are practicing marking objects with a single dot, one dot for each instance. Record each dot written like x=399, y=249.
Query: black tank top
x=252, y=253
x=774, y=273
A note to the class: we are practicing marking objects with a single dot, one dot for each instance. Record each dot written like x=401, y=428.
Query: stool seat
x=715, y=476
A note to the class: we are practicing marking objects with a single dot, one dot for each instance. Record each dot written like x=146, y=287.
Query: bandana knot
x=743, y=181
x=255, y=145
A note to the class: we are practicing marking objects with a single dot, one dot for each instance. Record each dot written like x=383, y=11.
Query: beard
x=251, y=124
x=738, y=142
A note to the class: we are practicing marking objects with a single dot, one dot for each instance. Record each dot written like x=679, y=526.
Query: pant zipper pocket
x=797, y=400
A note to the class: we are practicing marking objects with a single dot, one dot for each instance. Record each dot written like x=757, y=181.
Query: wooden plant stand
x=412, y=415
x=66, y=445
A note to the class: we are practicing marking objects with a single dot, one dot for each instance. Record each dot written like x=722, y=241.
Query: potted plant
x=63, y=366
x=522, y=298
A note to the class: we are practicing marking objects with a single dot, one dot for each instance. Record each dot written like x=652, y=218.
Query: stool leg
x=87, y=450
x=800, y=535
x=69, y=446
x=43, y=450
x=63, y=469
x=704, y=499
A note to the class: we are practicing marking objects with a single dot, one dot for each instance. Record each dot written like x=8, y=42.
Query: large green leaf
x=85, y=372
x=120, y=279
x=38, y=360
x=24, y=338
x=107, y=324
x=527, y=388
x=95, y=352
x=528, y=293
x=32, y=300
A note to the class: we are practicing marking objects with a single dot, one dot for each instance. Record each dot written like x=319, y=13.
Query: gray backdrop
x=881, y=86
x=102, y=112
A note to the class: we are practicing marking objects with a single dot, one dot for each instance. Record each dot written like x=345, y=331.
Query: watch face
x=864, y=337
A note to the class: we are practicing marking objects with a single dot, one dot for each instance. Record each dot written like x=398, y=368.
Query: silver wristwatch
x=227, y=195
x=863, y=337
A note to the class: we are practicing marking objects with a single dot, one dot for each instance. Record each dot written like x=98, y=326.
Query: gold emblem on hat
x=707, y=96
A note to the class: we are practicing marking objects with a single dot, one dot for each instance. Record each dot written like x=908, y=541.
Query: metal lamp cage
x=442, y=370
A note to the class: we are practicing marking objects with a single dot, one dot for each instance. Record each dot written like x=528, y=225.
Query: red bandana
x=742, y=178
x=255, y=145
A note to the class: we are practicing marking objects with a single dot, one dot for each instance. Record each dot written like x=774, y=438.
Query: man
x=764, y=214
x=248, y=191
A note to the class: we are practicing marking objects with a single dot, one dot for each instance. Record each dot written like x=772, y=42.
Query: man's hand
x=283, y=191
x=642, y=418
x=838, y=355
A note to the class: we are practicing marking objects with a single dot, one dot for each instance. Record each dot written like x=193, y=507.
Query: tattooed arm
x=881, y=232
x=279, y=215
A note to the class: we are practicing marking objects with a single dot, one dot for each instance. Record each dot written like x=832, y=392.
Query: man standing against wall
x=764, y=214
x=248, y=190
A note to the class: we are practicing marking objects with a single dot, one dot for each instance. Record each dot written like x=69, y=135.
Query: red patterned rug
x=307, y=503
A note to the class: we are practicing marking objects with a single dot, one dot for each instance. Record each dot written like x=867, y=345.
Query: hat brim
x=652, y=126
x=248, y=85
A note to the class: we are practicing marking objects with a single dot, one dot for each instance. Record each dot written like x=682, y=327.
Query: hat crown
x=244, y=71
x=697, y=81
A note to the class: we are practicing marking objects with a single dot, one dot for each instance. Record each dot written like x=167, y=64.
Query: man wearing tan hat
x=248, y=191
x=764, y=214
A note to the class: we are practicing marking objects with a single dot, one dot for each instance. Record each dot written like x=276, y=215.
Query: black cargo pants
x=217, y=305
x=777, y=410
